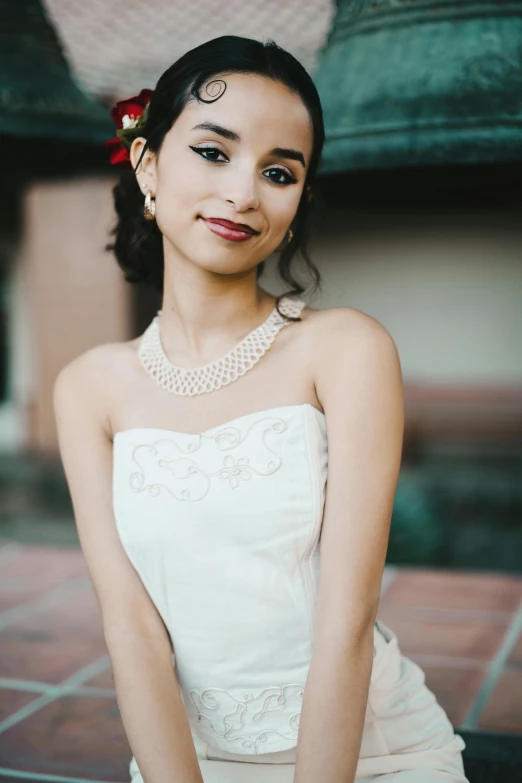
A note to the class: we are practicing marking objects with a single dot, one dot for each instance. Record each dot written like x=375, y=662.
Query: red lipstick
x=237, y=232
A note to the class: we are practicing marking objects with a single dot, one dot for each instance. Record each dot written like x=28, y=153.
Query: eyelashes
x=201, y=151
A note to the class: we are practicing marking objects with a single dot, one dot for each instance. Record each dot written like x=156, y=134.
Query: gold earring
x=290, y=235
x=149, y=207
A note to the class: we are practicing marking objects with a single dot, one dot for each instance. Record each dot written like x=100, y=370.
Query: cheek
x=281, y=211
x=180, y=190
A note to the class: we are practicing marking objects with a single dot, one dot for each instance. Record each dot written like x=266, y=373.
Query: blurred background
x=418, y=223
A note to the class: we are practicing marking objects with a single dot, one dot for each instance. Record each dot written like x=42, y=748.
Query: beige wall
x=450, y=296
x=75, y=294
x=21, y=389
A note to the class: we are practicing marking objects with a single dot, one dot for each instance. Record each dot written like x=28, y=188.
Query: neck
x=196, y=329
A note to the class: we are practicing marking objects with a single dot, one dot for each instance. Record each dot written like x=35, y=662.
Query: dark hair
x=138, y=244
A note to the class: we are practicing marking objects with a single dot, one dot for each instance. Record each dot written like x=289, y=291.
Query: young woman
x=238, y=586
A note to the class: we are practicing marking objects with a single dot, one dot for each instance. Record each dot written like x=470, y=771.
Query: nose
x=241, y=190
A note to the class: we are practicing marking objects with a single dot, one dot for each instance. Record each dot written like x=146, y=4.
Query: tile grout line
x=88, y=671
x=494, y=672
x=23, y=775
x=90, y=691
x=63, y=689
x=34, y=686
x=57, y=593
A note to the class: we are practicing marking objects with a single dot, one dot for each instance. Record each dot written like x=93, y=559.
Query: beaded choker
x=230, y=367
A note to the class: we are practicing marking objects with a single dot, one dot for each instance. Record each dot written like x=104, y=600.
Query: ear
x=146, y=173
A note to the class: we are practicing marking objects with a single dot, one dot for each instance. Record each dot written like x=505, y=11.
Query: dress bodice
x=223, y=528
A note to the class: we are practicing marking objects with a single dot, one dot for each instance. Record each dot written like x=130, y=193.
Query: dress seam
x=305, y=561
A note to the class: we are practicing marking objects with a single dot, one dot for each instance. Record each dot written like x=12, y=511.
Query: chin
x=224, y=266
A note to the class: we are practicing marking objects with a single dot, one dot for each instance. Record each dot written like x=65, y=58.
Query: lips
x=227, y=229
x=233, y=226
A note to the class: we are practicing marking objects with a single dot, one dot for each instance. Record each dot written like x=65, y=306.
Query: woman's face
x=247, y=169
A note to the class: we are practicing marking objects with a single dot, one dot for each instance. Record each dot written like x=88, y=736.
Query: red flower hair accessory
x=129, y=116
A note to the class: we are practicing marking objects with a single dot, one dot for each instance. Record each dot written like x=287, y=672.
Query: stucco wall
x=449, y=292
x=76, y=296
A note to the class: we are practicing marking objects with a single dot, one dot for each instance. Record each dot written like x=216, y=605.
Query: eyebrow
x=281, y=152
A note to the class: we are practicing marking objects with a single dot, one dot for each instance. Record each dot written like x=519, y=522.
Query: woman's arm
x=147, y=692
x=359, y=383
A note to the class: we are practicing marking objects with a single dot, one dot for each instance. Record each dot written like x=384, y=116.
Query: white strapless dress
x=223, y=528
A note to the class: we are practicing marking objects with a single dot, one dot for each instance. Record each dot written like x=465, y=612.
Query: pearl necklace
x=210, y=377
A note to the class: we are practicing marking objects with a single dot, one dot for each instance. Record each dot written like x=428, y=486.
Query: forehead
x=260, y=110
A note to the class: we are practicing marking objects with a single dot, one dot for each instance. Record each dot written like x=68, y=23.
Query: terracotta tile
x=45, y=567
x=11, y=701
x=36, y=570
x=76, y=736
x=18, y=590
x=78, y=612
x=53, y=643
x=515, y=656
x=470, y=639
x=503, y=712
x=16, y=595
x=455, y=590
x=46, y=656
x=455, y=689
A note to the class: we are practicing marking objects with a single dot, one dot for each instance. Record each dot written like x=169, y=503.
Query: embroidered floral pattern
x=241, y=716
x=235, y=470
x=184, y=478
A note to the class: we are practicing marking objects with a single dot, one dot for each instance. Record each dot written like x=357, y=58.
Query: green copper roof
x=38, y=96
x=420, y=82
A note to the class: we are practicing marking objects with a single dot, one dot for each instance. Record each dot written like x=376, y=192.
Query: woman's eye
x=290, y=180
x=204, y=150
x=207, y=153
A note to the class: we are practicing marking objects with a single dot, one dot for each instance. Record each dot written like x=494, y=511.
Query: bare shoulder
x=97, y=364
x=348, y=330
x=90, y=378
x=354, y=357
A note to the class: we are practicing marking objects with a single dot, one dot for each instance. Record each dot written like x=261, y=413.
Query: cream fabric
x=223, y=528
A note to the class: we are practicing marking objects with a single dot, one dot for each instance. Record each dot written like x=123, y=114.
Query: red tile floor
x=59, y=719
